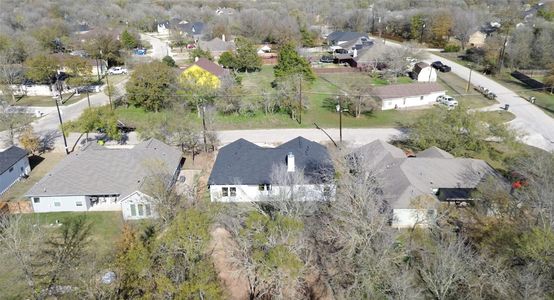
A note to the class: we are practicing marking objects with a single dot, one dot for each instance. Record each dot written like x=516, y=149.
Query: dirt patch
x=235, y=285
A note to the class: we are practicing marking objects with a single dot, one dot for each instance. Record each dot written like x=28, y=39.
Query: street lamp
x=340, y=109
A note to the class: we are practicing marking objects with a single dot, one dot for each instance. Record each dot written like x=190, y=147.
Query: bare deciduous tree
x=21, y=241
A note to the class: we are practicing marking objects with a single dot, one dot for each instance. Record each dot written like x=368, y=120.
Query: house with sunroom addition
x=98, y=178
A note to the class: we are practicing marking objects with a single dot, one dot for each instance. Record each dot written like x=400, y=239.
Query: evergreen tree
x=247, y=59
x=290, y=63
x=169, y=61
x=128, y=40
x=227, y=60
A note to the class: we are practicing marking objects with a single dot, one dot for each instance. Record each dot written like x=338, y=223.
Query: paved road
x=536, y=127
x=160, y=48
x=270, y=137
x=352, y=137
x=48, y=126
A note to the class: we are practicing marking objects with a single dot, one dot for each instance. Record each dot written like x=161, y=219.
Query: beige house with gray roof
x=414, y=186
x=101, y=178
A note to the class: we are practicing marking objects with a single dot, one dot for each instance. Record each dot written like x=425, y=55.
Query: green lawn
x=321, y=100
x=457, y=88
x=106, y=227
x=48, y=100
x=40, y=166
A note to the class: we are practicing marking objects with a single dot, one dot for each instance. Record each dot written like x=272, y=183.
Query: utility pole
x=339, y=110
x=469, y=79
x=109, y=90
x=59, y=86
x=204, y=127
x=300, y=94
x=107, y=83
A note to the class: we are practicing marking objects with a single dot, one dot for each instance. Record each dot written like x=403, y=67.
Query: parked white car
x=117, y=70
x=449, y=101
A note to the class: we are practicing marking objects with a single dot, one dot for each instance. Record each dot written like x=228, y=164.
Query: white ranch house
x=100, y=178
x=411, y=95
x=245, y=172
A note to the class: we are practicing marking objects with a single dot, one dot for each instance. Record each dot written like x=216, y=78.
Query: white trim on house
x=264, y=192
x=60, y=203
x=411, y=101
x=138, y=206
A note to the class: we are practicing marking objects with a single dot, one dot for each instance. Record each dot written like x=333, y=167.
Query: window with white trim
x=264, y=187
x=133, y=210
x=225, y=191
x=78, y=203
x=57, y=204
x=36, y=200
x=233, y=191
x=147, y=208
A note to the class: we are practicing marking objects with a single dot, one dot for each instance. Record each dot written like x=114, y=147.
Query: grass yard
x=544, y=100
x=48, y=100
x=40, y=166
x=457, y=88
x=106, y=227
x=321, y=101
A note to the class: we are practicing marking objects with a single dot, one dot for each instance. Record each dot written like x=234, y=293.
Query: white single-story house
x=14, y=165
x=423, y=72
x=100, y=178
x=398, y=96
x=414, y=187
x=298, y=169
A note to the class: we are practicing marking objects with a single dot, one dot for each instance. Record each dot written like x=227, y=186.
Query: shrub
x=451, y=48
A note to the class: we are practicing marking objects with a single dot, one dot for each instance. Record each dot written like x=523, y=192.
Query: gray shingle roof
x=434, y=152
x=217, y=45
x=246, y=163
x=403, y=179
x=10, y=156
x=393, y=91
x=338, y=36
x=97, y=170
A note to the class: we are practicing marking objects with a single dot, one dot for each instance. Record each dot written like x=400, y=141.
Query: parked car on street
x=441, y=67
x=117, y=70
